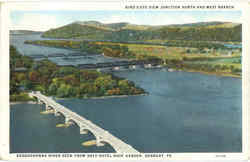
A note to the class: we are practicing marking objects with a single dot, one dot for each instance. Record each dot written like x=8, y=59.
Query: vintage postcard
x=124, y=80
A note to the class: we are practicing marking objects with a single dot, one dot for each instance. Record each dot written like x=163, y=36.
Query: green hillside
x=76, y=30
x=203, y=31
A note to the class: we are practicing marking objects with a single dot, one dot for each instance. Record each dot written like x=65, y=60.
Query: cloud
x=35, y=21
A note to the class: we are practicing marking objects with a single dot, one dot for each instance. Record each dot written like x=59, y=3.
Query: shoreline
x=93, y=98
x=22, y=102
x=212, y=73
x=116, y=96
x=103, y=97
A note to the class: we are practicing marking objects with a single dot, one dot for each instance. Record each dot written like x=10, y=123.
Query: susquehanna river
x=28, y=49
x=184, y=112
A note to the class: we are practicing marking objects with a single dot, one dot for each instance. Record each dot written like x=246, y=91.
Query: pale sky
x=45, y=20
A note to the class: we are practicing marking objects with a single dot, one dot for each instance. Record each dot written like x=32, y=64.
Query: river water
x=184, y=112
x=28, y=49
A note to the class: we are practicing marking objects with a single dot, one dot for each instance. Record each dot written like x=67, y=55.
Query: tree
x=124, y=86
x=71, y=79
x=34, y=76
x=62, y=91
x=26, y=84
x=20, y=77
x=13, y=87
x=63, y=71
x=52, y=89
x=105, y=82
x=188, y=51
x=87, y=75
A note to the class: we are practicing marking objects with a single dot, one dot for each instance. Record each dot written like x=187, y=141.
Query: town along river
x=184, y=112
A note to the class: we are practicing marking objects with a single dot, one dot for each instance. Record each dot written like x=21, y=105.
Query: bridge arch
x=59, y=114
x=70, y=120
x=115, y=148
x=98, y=138
x=38, y=100
x=41, y=101
x=49, y=107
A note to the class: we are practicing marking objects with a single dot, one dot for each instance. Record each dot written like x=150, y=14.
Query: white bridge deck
x=102, y=136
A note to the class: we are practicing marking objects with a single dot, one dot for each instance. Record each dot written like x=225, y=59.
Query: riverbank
x=103, y=97
x=215, y=73
x=22, y=102
x=116, y=96
x=209, y=73
x=57, y=98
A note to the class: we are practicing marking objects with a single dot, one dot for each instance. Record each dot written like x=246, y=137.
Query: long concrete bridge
x=102, y=136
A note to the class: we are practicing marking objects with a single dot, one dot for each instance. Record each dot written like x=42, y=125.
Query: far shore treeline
x=62, y=82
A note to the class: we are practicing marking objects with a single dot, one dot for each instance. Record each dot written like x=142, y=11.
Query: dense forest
x=213, y=31
x=63, y=82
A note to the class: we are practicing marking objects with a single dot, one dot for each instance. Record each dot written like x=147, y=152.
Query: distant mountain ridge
x=123, y=31
x=204, y=24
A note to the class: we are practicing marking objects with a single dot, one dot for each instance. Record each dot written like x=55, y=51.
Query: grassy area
x=165, y=52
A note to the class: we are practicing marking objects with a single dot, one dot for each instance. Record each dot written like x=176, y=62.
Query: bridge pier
x=132, y=67
x=47, y=107
x=116, y=68
x=56, y=113
x=147, y=65
x=98, y=141
x=67, y=120
x=39, y=101
x=83, y=130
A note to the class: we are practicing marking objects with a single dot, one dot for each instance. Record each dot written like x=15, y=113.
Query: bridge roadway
x=102, y=136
